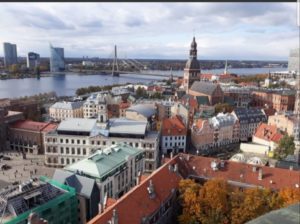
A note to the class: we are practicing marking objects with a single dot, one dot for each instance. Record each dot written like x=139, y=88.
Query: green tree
x=223, y=107
x=285, y=147
x=141, y=92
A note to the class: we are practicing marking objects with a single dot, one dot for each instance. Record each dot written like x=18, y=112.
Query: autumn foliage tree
x=218, y=202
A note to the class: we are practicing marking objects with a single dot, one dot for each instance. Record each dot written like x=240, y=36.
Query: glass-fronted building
x=10, y=54
x=57, y=59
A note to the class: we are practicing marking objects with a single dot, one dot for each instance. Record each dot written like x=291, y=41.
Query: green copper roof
x=105, y=161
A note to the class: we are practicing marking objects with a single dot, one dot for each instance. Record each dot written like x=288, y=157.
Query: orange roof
x=34, y=126
x=206, y=76
x=136, y=204
x=124, y=105
x=275, y=178
x=173, y=127
x=268, y=133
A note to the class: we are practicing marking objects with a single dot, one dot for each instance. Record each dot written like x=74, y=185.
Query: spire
x=193, y=50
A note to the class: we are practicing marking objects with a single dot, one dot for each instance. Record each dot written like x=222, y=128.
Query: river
x=66, y=84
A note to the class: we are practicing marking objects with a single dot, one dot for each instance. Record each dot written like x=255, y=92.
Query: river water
x=66, y=84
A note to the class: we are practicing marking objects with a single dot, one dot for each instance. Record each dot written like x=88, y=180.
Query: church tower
x=192, y=68
x=297, y=125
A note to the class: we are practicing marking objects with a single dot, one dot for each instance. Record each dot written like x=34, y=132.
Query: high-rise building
x=33, y=60
x=10, y=54
x=192, y=68
x=57, y=59
x=297, y=125
x=293, y=65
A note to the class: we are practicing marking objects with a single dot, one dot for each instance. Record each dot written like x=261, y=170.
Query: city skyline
x=234, y=31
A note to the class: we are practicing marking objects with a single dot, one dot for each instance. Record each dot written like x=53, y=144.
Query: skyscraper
x=293, y=65
x=297, y=113
x=10, y=54
x=57, y=59
x=33, y=60
x=192, y=67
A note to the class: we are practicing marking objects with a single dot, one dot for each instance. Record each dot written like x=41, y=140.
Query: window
x=78, y=151
x=62, y=161
x=68, y=161
x=73, y=151
x=78, y=141
x=84, y=151
x=61, y=140
x=136, y=144
x=61, y=150
x=83, y=142
x=67, y=141
x=67, y=150
x=72, y=141
x=104, y=142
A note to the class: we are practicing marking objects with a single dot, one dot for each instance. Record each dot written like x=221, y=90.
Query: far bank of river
x=66, y=84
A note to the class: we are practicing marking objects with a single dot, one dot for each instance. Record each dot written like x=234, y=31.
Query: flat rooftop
x=126, y=126
x=77, y=125
x=104, y=161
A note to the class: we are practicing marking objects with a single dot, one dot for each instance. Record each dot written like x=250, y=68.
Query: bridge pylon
x=115, y=67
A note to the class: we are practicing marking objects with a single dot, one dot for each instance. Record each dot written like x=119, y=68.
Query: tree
x=214, y=203
x=223, y=107
x=189, y=196
x=254, y=202
x=285, y=147
x=289, y=196
x=140, y=92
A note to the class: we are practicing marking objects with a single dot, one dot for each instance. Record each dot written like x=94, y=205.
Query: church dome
x=192, y=63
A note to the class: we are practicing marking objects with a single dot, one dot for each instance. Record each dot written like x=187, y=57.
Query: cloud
x=146, y=30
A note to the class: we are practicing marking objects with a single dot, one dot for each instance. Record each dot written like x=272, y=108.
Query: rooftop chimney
x=260, y=174
x=100, y=208
x=151, y=190
x=115, y=219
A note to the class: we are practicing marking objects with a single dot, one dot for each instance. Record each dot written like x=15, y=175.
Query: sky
x=233, y=31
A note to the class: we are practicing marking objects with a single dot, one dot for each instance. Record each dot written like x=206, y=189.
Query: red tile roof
x=34, y=126
x=173, y=127
x=268, y=133
x=275, y=178
x=136, y=204
x=124, y=105
x=206, y=76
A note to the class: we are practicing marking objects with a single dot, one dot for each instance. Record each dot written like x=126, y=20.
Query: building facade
x=10, y=54
x=64, y=110
x=192, y=70
x=293, y=64
x=249, y=119
x=281, y=100
x=33, y=60
x=217, y=131
x=115, y=169
x=173, y=135
x=28, y=136
x=57, y=59
x=87, y=193
x=69, y=143
x=284, y=122
x=241, y=96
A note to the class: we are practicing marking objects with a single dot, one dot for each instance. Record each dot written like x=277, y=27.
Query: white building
x=75, y=139
x=96, y=105
x=116, y=169
x=173, y=135
x=69, y=143
x=226, y=129
x=63, y=110
x=133, y=133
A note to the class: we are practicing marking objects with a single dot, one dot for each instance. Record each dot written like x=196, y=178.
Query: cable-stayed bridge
x=131, y=66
